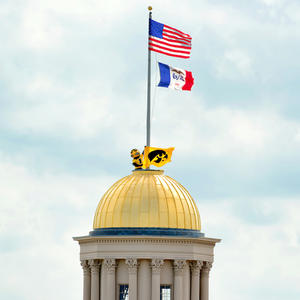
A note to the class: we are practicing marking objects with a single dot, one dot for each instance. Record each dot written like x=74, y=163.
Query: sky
x=73, y=104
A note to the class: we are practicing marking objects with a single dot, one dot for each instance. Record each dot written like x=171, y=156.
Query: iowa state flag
x=175, y=78
x=157, y=156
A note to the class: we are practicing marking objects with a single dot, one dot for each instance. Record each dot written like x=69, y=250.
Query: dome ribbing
x=147, y=199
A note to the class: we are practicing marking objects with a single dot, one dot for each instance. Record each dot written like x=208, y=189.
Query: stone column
x=156, y=264
x=179, y=266
x=186, y=282
x=195, y=279
x=95, y=270
x=144, y=280
x=132, y=273
x=110, y=266
x=204, y=280
x=86, y=280
x=103, y=283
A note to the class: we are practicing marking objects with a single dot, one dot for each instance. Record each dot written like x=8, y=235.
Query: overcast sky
x=73, y=105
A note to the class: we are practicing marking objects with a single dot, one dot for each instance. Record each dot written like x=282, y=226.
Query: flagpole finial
x=149, y=8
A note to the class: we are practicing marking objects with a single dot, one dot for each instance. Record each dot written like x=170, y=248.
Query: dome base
x=154, y=231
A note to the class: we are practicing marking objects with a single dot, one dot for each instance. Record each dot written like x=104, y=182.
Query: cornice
x=145, y=239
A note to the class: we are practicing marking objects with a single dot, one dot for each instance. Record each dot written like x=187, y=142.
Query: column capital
x=206, y=267
x=156, y=264
x=85, y=267
x=109, y=264
x=132, y=265
x=196, y=266
x=179, y=265
x=94, y=265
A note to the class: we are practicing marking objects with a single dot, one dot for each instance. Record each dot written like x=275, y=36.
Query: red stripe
x=161, y=42
x=172, y=37
x=176, y=41
x=175, y=29
x=189, y=81
x=172, y=50
x=180, y=56
x=177, y=34
x=172, y=28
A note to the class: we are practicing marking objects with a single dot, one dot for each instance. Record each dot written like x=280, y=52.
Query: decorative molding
x=206, y=267
x=179, y=265
x=196, y=266
x=156, y=264
x=143, y=241
x=94, y=265
x=110, y=264
x=85, y=267
x=132, y=265
x=146, y=239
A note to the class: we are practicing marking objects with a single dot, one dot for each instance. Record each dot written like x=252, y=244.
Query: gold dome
x=147, y=199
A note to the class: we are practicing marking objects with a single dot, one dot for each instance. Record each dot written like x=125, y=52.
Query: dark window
x=165, y=292
x=123, y=292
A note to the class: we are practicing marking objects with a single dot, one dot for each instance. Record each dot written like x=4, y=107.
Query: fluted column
x=132, y=273
x=204, y=280
x=179, y=266
x=110, y=266
x=156, y=265
x=144, y=280
x=86, y=280
x=186, y=282
x=103, y=284
x=195, y=280
x=95, y=267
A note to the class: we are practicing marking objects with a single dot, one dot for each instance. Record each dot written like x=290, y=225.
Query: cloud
x=254, y=250
x=234, y=65
x=39, y=215
x=73, y=95
x=40, y=30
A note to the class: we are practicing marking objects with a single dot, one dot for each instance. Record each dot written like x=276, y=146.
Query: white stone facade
x=145, y=263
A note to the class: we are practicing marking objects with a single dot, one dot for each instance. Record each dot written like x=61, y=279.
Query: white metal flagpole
x=149, y=85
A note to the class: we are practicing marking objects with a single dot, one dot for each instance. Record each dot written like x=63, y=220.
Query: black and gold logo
x=158, y=156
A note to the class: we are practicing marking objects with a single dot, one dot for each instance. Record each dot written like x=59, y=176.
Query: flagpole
x=149, y=84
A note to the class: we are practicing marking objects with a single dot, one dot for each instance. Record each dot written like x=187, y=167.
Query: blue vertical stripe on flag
x=165, y=78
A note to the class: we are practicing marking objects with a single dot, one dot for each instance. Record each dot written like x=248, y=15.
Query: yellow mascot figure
x=137, y=159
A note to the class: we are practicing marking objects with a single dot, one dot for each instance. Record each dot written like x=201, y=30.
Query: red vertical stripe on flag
x=189, y=81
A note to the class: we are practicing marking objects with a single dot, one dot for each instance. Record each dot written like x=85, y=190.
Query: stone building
x=147, y=243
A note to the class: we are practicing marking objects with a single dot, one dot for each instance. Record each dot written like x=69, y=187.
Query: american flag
x=168, y=40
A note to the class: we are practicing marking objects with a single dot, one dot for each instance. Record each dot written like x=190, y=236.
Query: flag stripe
x=171, y=53
x=176, y=41
x=189, y=81
x=168, y=44
x=169, y=49
x=165, y=78
x=175, y=34
x=175, y=37
x=167, y=53
x=168, y=40
x=172, y=28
